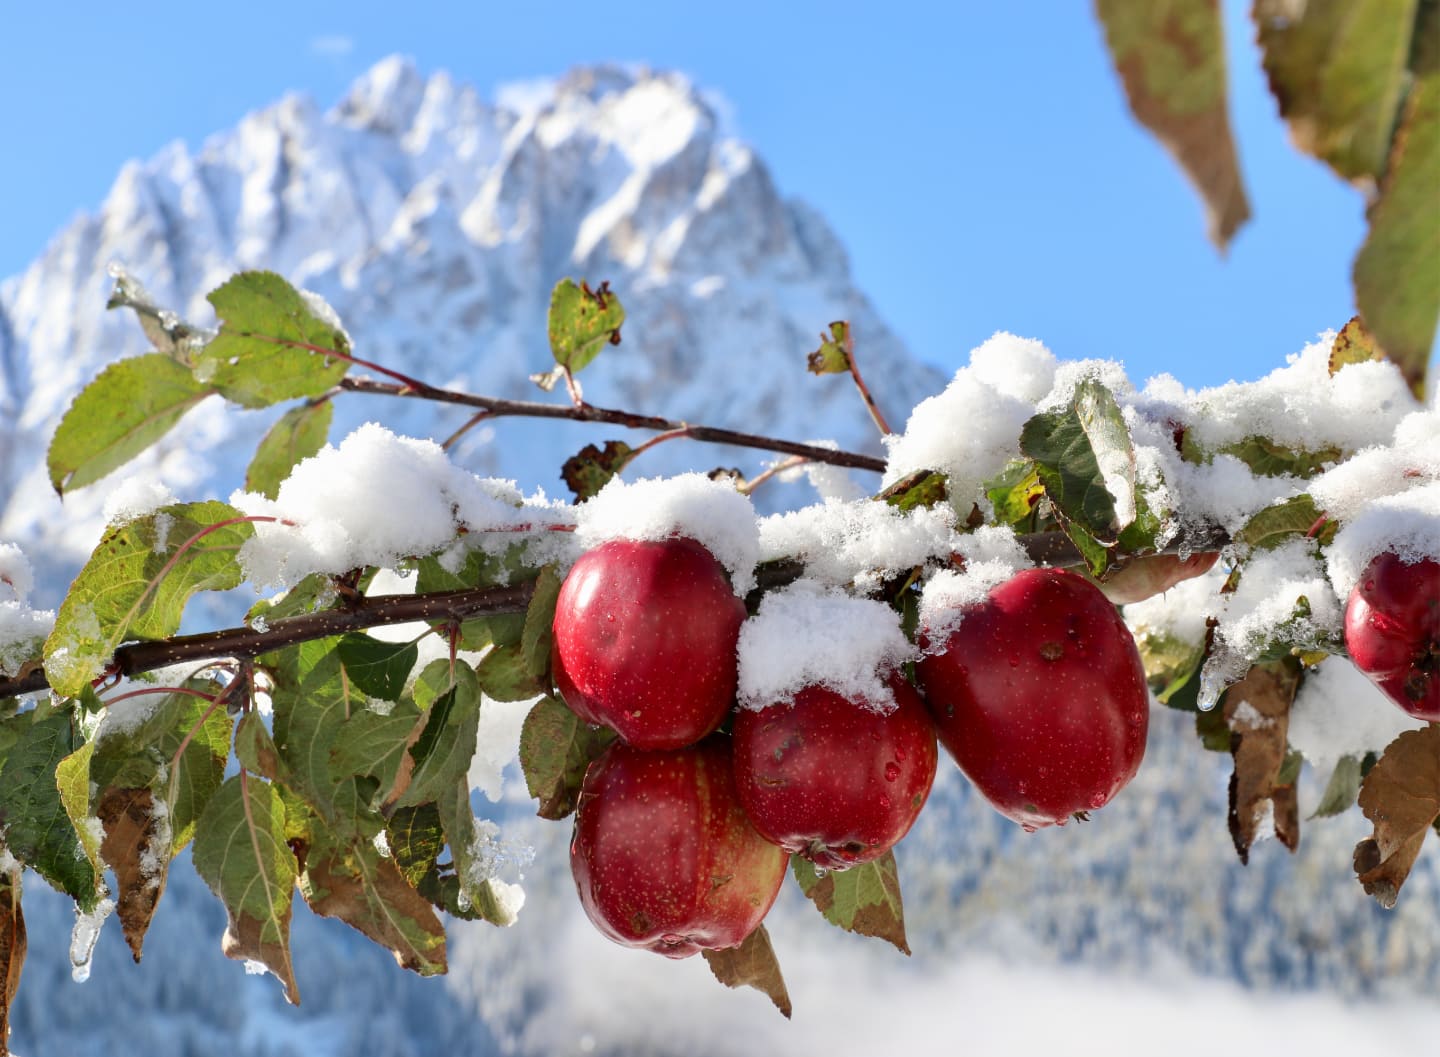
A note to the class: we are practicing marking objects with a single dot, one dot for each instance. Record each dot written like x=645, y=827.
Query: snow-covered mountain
x=436, y=223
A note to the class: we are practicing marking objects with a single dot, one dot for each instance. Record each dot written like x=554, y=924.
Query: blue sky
x=978, y=160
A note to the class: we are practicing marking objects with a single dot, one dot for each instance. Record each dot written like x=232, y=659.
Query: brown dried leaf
x=244, y=941
x=137, y=848
x=12, y=950
x=1171, y=58
x=1257, y=710
x=752, y=964
x=370, y=894
x=1401, y=797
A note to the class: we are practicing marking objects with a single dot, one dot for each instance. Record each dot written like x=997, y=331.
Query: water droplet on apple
x=885, y=803
x=892, y=771
x=1098, y=799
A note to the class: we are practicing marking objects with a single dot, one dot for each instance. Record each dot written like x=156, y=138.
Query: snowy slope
x=436, y=222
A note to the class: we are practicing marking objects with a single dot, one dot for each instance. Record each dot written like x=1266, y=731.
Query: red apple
x=1392, y=631
x=645, y=636
x=829, y=778
x=1040, y=696
x=663, y=855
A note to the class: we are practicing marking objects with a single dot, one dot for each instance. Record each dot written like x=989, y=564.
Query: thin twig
x=875, y=413
x=498, y=408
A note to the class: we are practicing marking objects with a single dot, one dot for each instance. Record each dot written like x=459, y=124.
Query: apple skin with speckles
x=1039, y=694
x=1392, y=631
x=645, y=641
x=831, y=778
x=663, y=855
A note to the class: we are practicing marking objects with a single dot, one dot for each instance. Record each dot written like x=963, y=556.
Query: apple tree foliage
x=351, y=787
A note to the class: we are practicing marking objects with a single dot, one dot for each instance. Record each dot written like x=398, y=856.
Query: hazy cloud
x=333, y=44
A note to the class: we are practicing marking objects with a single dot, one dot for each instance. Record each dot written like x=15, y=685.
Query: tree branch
x=497, y=408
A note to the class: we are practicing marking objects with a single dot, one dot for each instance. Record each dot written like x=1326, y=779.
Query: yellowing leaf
x=863, y=899
x=1171, y=58
x=582, y=322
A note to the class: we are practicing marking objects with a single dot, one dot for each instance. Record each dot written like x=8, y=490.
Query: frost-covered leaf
x=1342, y=788
x=538, y=632
x=863, y=899
x=137, y=582
x=1257, y=711
x=582, y=322
x=377, y=668
x=350, y=881
x=1354, y=344
x=752, y=964
x=833, y=355
x=299, y=434
x=440, y=755
x=1269, y=459
x=37, y=828
x=1171, y=58
x=128, y=407
x=1337, y=69
x=505, y=675
x=477, y=889
x=137, y=847
x=1085, y=460
x=13, y=947
x=1397, y=271
x=923, y=488
x=275, y=343
x=590, y=469
x=149, y=754
x=1401, y=798
x=1281, y=523
x=556, y=747
x=241, y=853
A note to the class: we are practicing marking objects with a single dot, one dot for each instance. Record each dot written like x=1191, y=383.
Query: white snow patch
x=1339, y=712
x=808, y=634
x=135, y=497
x=861, y=542
x=691, y=505
x=992, y=556
x=1407, y=523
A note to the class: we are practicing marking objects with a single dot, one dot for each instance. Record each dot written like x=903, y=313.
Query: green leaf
x=505, y=675
x=590, y=469
x=37, y=828
x=556, y=747
x=1171, y=59
x=923, y=488
x=377, y=668
x=1269, y=459
x=375, y=744
x=582, y=322
x=1170, y=664
x=477, y=889
x=479, y=570
x=833, y=355
x=538, y=632
x=1282, y=522
x=416, y=840
x=752, y=964
x=128, y=407
x=1341, y=790
x=137, y=582
x=1354, y=344
x=1085, y=460
x=241, y=853
x=863, y=899
x=256, y=751
x=1337, y=69
x=300, y=433
x=441, y=754
x=312, y=701
x=314, y=592
x=1014, y=492
x=1397, y=271
x=274, y=343
x=351, y=882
